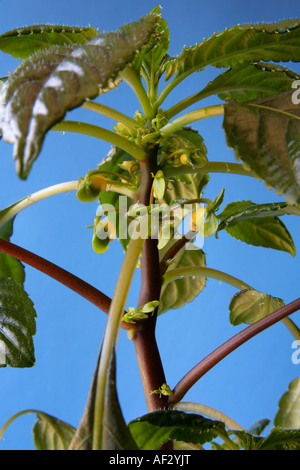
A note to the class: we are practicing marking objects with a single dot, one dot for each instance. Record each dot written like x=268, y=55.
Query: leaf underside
x=17, y=325
x=22, y=42
x=245, y=82
x=116, y=435
x=265, y=135
x=51, y=433
x=177, y=293
x=10, y=267
x=58, y=79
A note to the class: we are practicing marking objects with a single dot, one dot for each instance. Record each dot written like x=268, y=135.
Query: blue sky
x=248, y=384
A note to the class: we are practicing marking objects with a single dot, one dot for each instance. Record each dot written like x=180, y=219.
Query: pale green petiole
x=179, y=273
x=209, y=167
x=193, y=116
x=102, y=134
x=11, y=211
x=109, y=112
x=115, y=314
x=211, y=413
x=134, y=81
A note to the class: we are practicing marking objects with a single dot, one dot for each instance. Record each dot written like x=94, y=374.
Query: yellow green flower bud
x=204, y=221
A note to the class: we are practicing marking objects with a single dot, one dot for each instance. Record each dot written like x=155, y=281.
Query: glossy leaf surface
x=288, y=415
x=249, y=306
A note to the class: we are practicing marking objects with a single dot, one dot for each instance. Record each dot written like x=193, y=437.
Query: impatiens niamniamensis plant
x=153, y=180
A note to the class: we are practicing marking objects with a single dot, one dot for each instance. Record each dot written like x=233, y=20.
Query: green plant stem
x=185, y=103
x=115, y=314
x=109, y=112
x=14, y=209
x=177, y=273
x=211, y=413
x=209, y=167
x=231, y=445
x=180, y=122
x=103, y=134
x=226, y=348
x=168, y=88
x=205, y=93
x=134, y=81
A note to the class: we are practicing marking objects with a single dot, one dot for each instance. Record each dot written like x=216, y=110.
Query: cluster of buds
x=178, y=151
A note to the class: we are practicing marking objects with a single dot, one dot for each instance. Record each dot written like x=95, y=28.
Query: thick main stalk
x=147, y=352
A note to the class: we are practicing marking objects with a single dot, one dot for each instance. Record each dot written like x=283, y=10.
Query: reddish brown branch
x=172, y=252
x=146, y=348
x=69, y=280
x=233, y=343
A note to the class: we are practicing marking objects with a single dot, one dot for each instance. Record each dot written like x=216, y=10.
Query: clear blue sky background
x=248, y=384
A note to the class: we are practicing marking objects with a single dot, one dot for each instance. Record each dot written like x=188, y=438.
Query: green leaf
x=9, y=266
x=53, y=81
x=17, y=325
x=177, y=293
x=249, y=306
x=22, y=42
x=187, y=142
x=243, y=210
x=242, y=43
x=116, y=435
x=50, y=433
x=245, y=82
x=247, y=441
x=277, y=439
x=154, y=429
x=265, y=135
x=154, y=60
x=281, y=439
x=288, y=415
x=258, y=224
